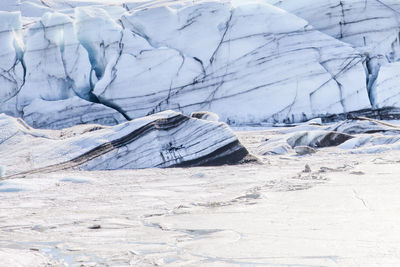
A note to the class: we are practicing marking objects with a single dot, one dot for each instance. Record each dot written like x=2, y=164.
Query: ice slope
x=372, y=27
x=165, y=139
x=237, y=59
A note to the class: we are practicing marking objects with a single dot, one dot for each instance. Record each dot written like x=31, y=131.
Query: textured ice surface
x=11, y=63
x=236, y=59
x=354, y=136
x=372, y=27
x=340, y=211
x=17, y=257
x=57, y=66
x=386, y=90
x=331, y=208
x=164, y=139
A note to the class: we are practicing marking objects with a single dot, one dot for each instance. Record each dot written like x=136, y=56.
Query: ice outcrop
x=361, y=135
x=234, y=58
x=251, y=67
x=166, y=139
x=12, y=67
x=57, y=66
x=386, y=89
x=205, y=115
x=42, y=77
x=372, y=27
x=317, y=139
x=69, y=112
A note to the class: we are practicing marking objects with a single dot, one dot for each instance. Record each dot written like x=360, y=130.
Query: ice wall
x=247, y=61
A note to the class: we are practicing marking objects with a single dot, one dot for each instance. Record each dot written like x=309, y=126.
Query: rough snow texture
x=236, y=59
x=17, y=257
x=372, y=27
x=162, y=140
x=331, y=208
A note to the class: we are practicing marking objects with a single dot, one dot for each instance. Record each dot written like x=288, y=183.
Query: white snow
x=342, y=212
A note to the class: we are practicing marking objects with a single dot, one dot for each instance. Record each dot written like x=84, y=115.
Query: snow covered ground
x=331, y=208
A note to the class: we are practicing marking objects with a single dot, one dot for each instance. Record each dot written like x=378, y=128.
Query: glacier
x=250, y=62
x=371, y=27
x=199, y=132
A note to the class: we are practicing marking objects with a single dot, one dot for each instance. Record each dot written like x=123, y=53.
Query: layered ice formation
x=73, y=62
x=166, y=139
x=236, y=59
x=360, y=135
x=371, y=27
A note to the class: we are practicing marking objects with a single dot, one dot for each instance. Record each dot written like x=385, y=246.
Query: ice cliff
x=371, y=27
x=69, y=62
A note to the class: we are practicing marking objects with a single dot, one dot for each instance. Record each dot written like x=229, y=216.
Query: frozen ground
x=344, y=212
